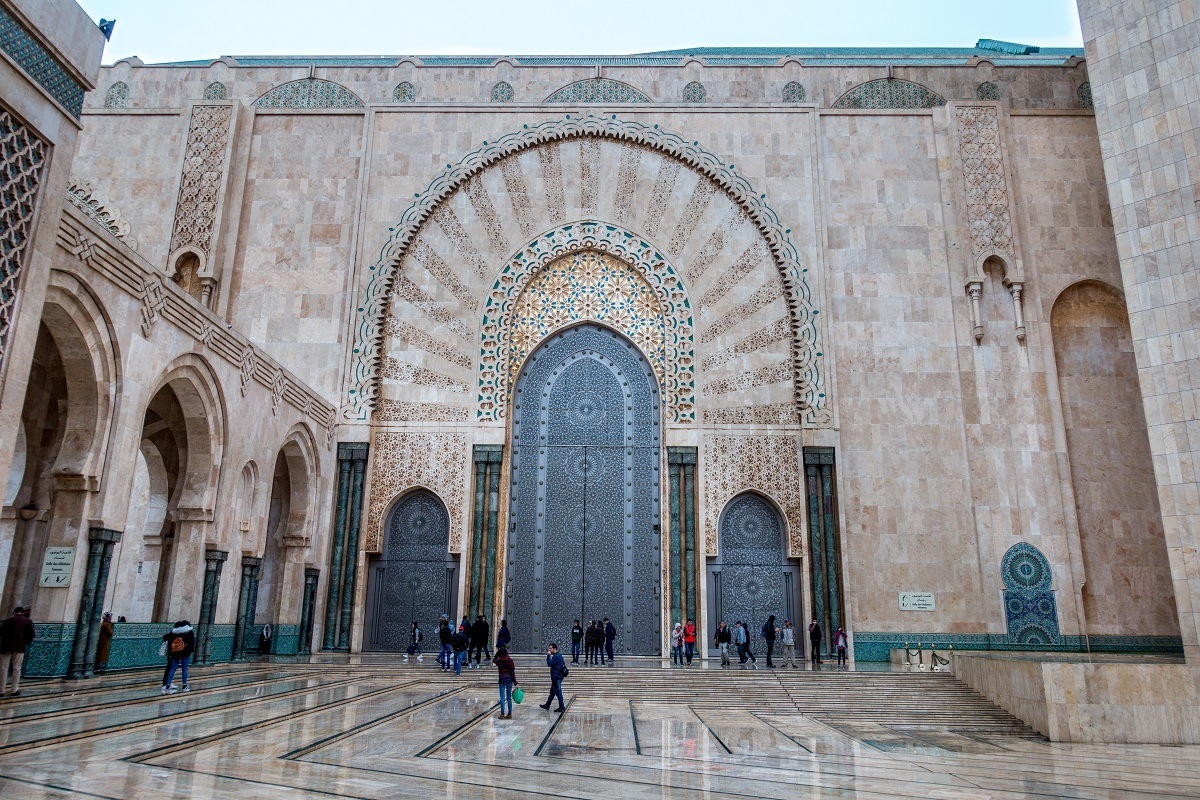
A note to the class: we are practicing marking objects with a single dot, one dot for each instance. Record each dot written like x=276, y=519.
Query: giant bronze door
x=583, y=539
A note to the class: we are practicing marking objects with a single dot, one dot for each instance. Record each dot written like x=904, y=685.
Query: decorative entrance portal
x=753, y=578
x=414, y=578
x=584, y=532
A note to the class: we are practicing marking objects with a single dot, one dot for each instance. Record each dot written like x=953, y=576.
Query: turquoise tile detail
x=695, y=92
x=502, y=92
x=598, y=90
x=890, y=93
x=21, y=46
x=874, y=646
x=309, y=93
x=50, y=653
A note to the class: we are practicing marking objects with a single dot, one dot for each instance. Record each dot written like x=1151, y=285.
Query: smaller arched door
x=1030, y=611
x=414, y=578
x=753, y=578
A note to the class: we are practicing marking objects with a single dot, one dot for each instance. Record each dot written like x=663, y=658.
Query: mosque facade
x=336, y=344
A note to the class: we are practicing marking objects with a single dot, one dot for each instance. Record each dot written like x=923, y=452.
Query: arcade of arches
x=329, y=374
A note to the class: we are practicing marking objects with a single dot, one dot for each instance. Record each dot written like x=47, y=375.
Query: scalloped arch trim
x=809, y=394
x=890, y=93
x=309, y=93
x=598, y=90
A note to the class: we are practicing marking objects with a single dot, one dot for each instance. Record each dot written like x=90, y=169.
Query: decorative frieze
x=439, y=462
x=202, y=179
x=769, y=465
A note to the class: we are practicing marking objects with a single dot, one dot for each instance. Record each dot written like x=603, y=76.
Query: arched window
x=404, y=92
x=117, y=96
x=502, y=92
x=694, y=92
x=793, y=92
x=215, y=91
x=889, y=93
x=987, y=91
x=1084, y=94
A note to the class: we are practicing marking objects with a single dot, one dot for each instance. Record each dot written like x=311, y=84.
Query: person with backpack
x=503, y=637
x=180, y=643
x=508, y=680
x=459, y=642
x=689, y=640
x=576, y=641
x=741, y=637
x=610, y=635
x=814, y=640
x=444, y=635
x=722, y=640
x=769, y=634
x=414, y=643
x=481, y=634
x=558, y=671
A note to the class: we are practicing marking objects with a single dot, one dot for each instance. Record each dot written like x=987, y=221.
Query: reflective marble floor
x=385, y=731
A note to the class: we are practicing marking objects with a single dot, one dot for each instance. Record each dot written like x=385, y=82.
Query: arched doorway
x=414, y=577
x=753, y=578
x=584, y=533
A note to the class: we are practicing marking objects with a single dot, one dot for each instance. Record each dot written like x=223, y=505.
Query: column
x=481, y=589
x=307, y=616
x=247, y=603
x=685, y=586
x=87, y=629
x=186, y=573
x=343, y=554
x=214, y=562
x=824, y=540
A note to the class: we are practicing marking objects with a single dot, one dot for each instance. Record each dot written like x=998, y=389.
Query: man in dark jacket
x=814, y=639
x=558, y=671
x=576, y=640
x=610, y=634
x=444, y=636
x=16, y=633
x=459, y=642
x=481, y=634
x=181, y=643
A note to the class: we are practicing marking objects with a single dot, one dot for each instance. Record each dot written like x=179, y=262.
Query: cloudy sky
x=174, y=30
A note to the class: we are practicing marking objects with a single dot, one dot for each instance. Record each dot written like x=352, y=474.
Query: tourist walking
x=722, y=640
x=507, y=672
x=610, y=635
x=558, y=671
x=414, y=642
x=460, y=640
x=503, y=637
x=788, y=634
x=104, y=644
x=181, y=643
x=741, y=637
x=677, y=645
x=576, y=641
x=769, y=634
x=446, y=655
x=689, y=640
x=481, y=634
x=814, y=640
x=16, y=633
x=839, y=643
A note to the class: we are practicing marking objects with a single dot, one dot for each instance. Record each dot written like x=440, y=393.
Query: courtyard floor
x=386, y=730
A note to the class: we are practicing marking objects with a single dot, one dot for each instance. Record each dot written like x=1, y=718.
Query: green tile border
x=877, y=646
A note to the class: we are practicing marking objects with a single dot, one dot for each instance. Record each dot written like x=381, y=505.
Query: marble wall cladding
x=294, y=247
x=1142, y=59
x=1120, y=526
x=1137, y=703
x=134, y=160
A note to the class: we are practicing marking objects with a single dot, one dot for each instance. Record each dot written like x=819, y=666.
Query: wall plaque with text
x=916, y=601
x=57, y=566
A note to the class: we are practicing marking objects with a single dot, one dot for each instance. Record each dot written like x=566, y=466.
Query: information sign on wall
x=916, y=601
x=57, y=566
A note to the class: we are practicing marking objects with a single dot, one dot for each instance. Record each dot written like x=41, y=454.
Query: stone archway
x=585, y=492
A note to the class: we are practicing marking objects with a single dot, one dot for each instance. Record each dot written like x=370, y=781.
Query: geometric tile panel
x=987, y=91
x=597, y=90
x=215, y=91
x=502, y=92
x=22, y=155
x=309, y=93
x=1084, y=95
x=988, y=212
x=1029, y=605
x=889, y=93
x=694, y=92
x=587, y=271
x=39, y=64
x=404, y=92
x=117, y=95
x=203, y=169
x=793, y=92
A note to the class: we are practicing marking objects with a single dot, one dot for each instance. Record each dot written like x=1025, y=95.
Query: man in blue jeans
x=459, y=643
x=447, y=652
x=576, y=640
x=558, y=671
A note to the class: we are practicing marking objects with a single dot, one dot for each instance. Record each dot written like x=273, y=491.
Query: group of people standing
x=468, y=642
x=738, y=637
x=596, y=642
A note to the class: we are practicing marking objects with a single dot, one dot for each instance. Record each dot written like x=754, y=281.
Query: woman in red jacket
x=508, y=679
x=689, y=640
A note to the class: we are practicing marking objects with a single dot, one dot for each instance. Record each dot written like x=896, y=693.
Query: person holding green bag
x=508, y=679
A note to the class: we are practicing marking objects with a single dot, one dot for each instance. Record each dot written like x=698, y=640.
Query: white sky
x=177, y=30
